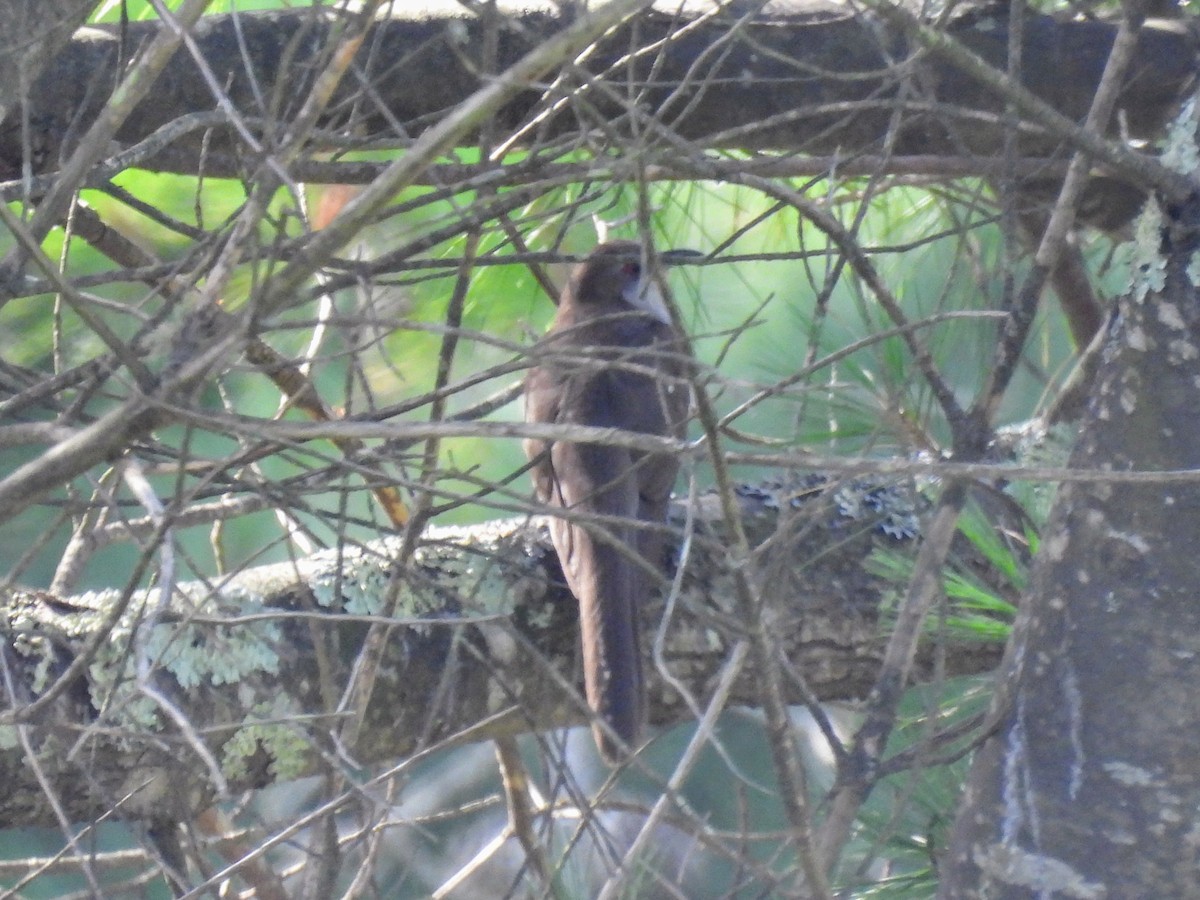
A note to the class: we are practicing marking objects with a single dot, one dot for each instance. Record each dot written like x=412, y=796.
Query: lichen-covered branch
x=1089, y=788
x=248, y=672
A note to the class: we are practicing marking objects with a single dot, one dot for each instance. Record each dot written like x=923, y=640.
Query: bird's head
x=618, y=272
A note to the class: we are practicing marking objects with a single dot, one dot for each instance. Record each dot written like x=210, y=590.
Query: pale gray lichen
x=361, y=581
x=187, y=641
x=1136, y=338
x=893, y=506
x=193, y=653
x=272, y=734
x=39, y=649
x=1169, y=315
x=1148, y=265
x=485, y=586
x=541, y=615
x=350, y=579
x=1130, y=775
x=1014, y=866
x=1193, y=269
x=1179, y=151
x=217, y=654
x=1181, y=351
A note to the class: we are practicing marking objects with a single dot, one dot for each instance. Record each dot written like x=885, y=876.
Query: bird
x=613, y=359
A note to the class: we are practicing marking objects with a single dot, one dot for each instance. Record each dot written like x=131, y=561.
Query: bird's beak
x=645, y=294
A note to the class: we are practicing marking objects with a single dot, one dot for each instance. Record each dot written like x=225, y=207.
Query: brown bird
x=611, y=359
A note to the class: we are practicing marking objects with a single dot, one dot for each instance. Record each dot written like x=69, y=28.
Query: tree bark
x=1089, y=787
x=801, y=77
x=254, y=667
x=33, y=32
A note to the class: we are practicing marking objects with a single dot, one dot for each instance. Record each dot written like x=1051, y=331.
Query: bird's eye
x=632, y=270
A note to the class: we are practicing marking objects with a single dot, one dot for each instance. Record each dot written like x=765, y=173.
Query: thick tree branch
x=253, y=666
x=801, y=77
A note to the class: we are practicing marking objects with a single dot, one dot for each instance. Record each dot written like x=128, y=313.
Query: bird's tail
x=612, y=662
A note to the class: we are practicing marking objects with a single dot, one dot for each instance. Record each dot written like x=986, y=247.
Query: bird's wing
x=598, y=485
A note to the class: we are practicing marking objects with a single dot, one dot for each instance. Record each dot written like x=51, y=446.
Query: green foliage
x=755, y=322
x=985, y=576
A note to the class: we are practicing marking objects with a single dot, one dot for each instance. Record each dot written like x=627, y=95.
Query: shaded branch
x=801, y=77
x=484, y=644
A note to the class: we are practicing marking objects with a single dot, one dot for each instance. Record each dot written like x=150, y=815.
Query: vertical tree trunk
x=1090, y=787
